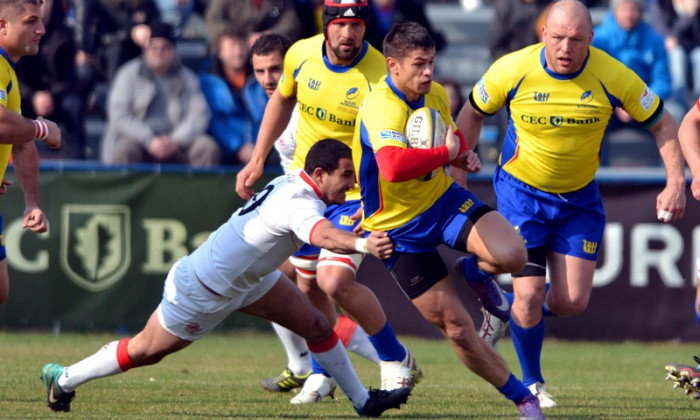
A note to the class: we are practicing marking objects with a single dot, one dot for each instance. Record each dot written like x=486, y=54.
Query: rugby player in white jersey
x=235, y=269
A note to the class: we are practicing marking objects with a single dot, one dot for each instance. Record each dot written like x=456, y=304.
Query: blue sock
x=472, y=272
x=697, y=315
x=387, y=345
x=528, y=347
x=514, y=390
x=316, y=368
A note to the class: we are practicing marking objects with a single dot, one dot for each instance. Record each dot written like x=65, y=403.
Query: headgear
x=344, y=10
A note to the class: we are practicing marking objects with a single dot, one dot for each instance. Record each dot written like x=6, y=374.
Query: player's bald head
x=569, y=11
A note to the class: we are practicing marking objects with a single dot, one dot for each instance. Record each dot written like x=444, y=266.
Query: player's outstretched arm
x=277, y=114
x=17, y=129
x=326, y=236
x=469, y=123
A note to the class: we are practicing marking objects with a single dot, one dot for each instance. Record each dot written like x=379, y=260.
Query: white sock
x=336, y=362
x=298, y=355
x=101, y=364
x=361, y=346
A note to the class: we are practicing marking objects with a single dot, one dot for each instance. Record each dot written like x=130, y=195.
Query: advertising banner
x=114, y=234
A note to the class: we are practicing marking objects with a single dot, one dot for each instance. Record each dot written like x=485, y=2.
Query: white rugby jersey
x=259, y=236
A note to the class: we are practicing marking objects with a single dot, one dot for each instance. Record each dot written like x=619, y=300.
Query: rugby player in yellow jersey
x=327, y=77
x=21, y=30
x=560, y=96
x=407, y=193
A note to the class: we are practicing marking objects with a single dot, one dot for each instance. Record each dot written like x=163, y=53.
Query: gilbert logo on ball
x=425, y=129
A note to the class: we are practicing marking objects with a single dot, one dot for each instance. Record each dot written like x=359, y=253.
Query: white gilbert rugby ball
x=425, y=129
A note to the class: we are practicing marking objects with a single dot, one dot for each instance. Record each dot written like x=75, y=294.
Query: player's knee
x=511, y=257
x=459, y=331
x=318, y=329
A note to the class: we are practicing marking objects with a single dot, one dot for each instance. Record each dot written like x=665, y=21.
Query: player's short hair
x=344, y=10
x=405, y=37
x=326, y=154
x=270, y=43
x=10, y=9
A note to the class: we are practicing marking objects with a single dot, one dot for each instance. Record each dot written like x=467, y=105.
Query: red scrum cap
x=334, y=10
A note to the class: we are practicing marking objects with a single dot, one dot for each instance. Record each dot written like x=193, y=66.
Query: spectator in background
x=384, y=13
x=512, y=25
x=156, y=110
x=48, y=83
x=253, y=17
x=679, y=22
x=108, y=33
x=627, y=37
x=223, y=82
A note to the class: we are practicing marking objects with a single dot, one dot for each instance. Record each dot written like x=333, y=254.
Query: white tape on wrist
x=361, y=245
x=665, y=215
x=41, y=130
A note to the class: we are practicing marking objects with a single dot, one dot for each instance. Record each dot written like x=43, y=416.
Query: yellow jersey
x=556, y=122
x=381, y=122
x=10, y=99
x=328, y=96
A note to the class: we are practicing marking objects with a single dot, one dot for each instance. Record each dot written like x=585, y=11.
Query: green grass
x=219, y=378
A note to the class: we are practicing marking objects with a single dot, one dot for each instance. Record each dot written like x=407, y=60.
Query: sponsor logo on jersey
x=346, y=221
x=647, y=98
x=557, y=120
x=95, y=244
x=392, y=135
x=314, y=84
x=193, y=327
x=589, y=247
x=586, y=96
x=323, y=115
x=3, y=96
x=482, y=92
x=541, y=97
x=352, y=93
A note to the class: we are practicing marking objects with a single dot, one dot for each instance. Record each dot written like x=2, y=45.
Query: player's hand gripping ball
x=425, y=129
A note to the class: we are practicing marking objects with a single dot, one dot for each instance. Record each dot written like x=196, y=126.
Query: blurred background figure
x=310, y=15
x=48, y=84
x=156, y=109
x=679, y=22
x=384, y=13
x=108, y=33
x=253, y=17
x=513, y=25
x=454, y=93
x=226, y=85
x=627, y=37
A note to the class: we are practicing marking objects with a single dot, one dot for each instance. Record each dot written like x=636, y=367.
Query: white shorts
x=189, y=311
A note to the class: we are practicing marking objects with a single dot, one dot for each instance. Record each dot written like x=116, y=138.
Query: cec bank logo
x=95, y=242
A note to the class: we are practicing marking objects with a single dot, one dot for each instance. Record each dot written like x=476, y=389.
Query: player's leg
x=435, y=297
x=168, y=330
x=328, y=351
x=298, y=366
x=697, y=290
x=336, y=276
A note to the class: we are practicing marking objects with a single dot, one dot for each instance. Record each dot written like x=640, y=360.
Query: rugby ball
x=425, y=129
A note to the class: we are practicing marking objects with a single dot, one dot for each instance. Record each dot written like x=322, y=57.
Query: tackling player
x=235, y=270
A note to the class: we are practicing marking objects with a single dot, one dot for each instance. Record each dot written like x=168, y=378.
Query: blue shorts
x=339, y=215
x=442, y=223
x=569, y=223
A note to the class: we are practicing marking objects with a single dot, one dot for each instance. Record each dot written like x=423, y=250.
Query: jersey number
x=256, y=201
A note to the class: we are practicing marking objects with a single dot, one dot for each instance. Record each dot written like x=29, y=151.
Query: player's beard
x=345, y=55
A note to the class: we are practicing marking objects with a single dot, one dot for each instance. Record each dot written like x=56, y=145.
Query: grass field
x=219, y=378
